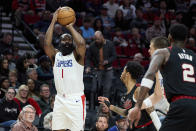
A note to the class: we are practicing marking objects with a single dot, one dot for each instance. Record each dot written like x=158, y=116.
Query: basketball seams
x=66, y=17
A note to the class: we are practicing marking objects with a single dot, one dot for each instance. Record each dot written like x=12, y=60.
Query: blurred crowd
x=127, y=25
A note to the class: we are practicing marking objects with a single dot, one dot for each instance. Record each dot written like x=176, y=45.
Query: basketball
x=66, y=15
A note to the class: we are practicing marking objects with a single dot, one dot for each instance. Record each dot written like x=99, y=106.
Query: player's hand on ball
x=55, y=15
x=134, y=116
x=71, y=24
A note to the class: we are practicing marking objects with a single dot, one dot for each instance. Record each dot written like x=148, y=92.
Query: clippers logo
x=66, y=63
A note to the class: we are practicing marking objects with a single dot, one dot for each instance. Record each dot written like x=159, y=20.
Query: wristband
x=107, y=103
x=148, y=102
x=155, y=120
x=147, y=83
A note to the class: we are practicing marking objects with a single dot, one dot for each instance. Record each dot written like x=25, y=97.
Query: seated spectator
x=42, y=25
x=138, y=57
x=48, y=122
x=44, y=101
x=9, y=109
x=39, y=5
x=32, y=92
x=4, y=67
x=87, y=31
x=22, y=99
x=122, y=124
x=98, y=25
x=8, y=54
x=101, y=123
x=45, y=112
x=22, y=65
x=128, y=9
x=13, y=79
x=119, y=20
x=139, y=22
x=25, y=123
x=156, y=30
x=32, y=74
x=112, y=6
x=119, y=39
x=31, y=59
x=6, y=42
x=4, y=85
x=44, y=70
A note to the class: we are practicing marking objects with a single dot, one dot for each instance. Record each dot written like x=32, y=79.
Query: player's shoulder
x=163, y=51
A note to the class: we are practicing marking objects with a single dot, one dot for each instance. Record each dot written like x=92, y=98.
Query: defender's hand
x=134, y=116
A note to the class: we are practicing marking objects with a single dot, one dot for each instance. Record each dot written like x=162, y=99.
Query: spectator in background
x=156, y=30
x=56, y=35
x=101, y=53
x=22, y=65
x=128, y=9
x=32, y=74
x=31, y=59
x=44, y=70
x=112, y=7
x=192, y=32
x=4, y=85
x=101, y=124
x=139, y=22
x=122, y=124
x=53, y=5
x=98, y=25
x=27, y=116
x=138, y=57
x=6, y=42
x=13, y=79
x=42, y=25
x=22, y=99
x=32, y=92
x=9, y=109
x=44, y=101
x=4, y=67
x=39, y=5
x=93, y=7
x=119, y=39
x=48, y=110
x=191, y=16
x=8, y=54
x=87, y=31
x=119, y=20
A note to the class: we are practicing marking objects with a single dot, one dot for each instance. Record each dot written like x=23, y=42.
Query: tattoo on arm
x=118, y=110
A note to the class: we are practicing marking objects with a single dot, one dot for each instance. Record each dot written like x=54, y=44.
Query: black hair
x=135, y=69
x=178, y=32
x=160, y=42
x=87, y=20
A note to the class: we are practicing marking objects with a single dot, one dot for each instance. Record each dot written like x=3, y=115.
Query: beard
x=66, y=49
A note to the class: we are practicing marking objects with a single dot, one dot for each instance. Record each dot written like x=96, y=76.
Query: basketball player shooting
x=68, y=64
x=177, y=66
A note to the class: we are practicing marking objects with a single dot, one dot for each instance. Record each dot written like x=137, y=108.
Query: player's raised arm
x=79, y=41
x=159, y=58
x=48, y=47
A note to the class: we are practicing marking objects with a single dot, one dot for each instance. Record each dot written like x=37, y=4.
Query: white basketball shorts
x=69, y=112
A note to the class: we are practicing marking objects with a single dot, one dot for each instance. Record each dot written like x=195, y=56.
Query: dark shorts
x=181, y=116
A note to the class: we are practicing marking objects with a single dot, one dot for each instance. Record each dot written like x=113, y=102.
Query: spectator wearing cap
x=122, y=124
x=112, y=6
x=157, y=29
x=87, y=31
x=44, y=69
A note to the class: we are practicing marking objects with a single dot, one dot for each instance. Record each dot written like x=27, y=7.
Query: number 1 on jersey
x=188, y=73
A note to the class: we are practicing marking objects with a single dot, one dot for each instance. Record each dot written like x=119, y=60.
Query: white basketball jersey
x=68, y=74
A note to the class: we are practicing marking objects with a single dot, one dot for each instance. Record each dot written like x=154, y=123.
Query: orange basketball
x=66, y=15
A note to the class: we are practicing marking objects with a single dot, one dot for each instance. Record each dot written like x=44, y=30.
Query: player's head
x=132, y=71
x=158, y=43
x=178, y=33
x=66, y=44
